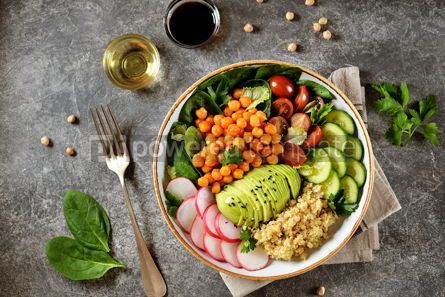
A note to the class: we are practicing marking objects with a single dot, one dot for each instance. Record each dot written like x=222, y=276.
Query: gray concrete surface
x=50, y=66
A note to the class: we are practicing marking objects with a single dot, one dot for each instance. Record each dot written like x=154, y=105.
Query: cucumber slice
x=356, y=170
x=342, y=119
x=337, y=159
x=321, y=166
x=350, y=189
x=353, y=148
x=331, y=186
x=334, y=135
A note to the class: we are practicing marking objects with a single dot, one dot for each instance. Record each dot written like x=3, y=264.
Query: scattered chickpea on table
x=248, y=28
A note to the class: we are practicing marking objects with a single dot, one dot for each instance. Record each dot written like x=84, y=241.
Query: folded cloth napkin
x=383, y=202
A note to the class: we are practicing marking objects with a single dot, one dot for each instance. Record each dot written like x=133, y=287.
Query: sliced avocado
x=292, y=177
x=245, y=203
x=249, y=201
x=266, y=204
x=248, y=192
x=228, y=207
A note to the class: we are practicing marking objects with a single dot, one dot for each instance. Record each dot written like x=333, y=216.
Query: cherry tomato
x=280, y=123
x=301, y=99
x=302, y=120
x=283, y=107
x=293, y=154
x=314, y=137
x=281, y=86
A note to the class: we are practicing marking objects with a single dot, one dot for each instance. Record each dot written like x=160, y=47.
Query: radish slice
x=226, y=229
x=204, y=198
x=228, y=251
x=212, y=247
x=209, y=220
x=186, y=214
x=181, y=187
x=197, y=232
x=253, y=260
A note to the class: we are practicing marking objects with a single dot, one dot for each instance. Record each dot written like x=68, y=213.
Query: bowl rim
x=184, y=95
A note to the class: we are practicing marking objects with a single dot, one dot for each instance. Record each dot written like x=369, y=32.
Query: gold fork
x=118, y=159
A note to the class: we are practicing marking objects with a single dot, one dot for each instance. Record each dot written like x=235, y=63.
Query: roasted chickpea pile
x=257, y=140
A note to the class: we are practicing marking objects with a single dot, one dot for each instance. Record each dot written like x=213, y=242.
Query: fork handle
x=152, y=280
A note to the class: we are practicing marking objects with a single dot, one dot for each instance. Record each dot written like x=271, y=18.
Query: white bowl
x=340, y=233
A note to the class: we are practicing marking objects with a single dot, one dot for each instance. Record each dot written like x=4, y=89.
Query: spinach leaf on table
x=87, y=220
x=76, y=262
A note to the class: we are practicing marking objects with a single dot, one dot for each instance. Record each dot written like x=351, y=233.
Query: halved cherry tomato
x=280, y=123
x=314, y=137
x=301, y=99
x=281, y=86
x=293, y=154
x=302, y=120
x=283, y=107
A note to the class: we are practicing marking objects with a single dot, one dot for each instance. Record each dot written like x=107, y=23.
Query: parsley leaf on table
x=249, y=243
x=395, y=103
x=232, y=156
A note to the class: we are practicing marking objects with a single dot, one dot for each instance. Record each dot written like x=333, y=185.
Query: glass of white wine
x=131, y=61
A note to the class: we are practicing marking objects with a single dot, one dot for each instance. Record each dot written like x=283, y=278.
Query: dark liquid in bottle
x=192, y=23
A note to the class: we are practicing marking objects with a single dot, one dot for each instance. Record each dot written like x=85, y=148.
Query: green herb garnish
x=318, y=114
x=172, y=203
x=249, y=243
x=86, y=256
x=340, y=206
x=395, y=103
x=232, y=155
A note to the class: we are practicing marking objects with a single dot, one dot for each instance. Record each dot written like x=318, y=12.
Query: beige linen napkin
x=383, y=202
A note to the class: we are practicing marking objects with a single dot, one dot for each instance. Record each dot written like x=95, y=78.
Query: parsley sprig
x=232, y=155
x=318, y=114
x=339, y=205
x=172, y=203
x=249, y=243
x=408, y=117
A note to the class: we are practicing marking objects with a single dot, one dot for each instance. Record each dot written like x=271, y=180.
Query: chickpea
x=197, y=121
x=211, y=160
x=242, y=123
x=234, y=105
x=290, y=15
x=292, y=47
x=248, y=137
x=272, y=159
x=217, y=130
x=245, y=101
x=244, y=166
x=233, y=130
x=246, y=116
x=316, y=27
x=249, y=156
x=257, y=132
x=198, y=161
x=216, y=174
x=233, y=166
x=323, y=21
x=309, y=2
x=239, y=142
x=266, y=139
x=225, y=171
x=226, y=122
x=321, y=291
x=210, y=119
x=238, y=173
x=204, y=126
x=327, y=35
x=216, y=188
x=256, y=145
x=277, y=149
x=252, y=110
x=72, y=119
x=220, y=142
x=206, y=168
x=261, y=115
x=227, y=179
x=214, y=148
x=255, y=121
x=237, y=93
x=259, y=1
x=70, y=151
x=45, y=141
x=203, y=182
x=209, y=177
x=227, y=112
x=266, y=151
x=248, y=28
x=236, y=115
x=276, y=138
x=210, y=138
x=270, y=129
x=217, y=119
x=201, y=113
x=257, y=162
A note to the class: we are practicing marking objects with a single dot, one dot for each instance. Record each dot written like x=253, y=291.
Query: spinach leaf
x=318, y=89
x=183, y=165
x=265, y=72
x=198, y=99
x=87, y=220
x=193, y=141
x=232, y=77
x=174, y=138
x=172, y=203
x=77, y=262
x=259, y=91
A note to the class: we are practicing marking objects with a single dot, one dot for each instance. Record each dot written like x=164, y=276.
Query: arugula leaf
x=430, y=131
x=318, y=89
x=394, y=103
x=249, y=243
x=172, y=203
x=232, y=155
x=318, y=114
x=339, y=205
x=87, y=220
x=75, y=261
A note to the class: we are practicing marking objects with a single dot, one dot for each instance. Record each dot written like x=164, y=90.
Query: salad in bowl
x=263, y=169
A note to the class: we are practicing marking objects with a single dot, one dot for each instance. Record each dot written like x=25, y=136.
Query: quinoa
x=302, y=225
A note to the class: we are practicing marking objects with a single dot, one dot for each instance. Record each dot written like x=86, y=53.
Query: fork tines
x=109, y=132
